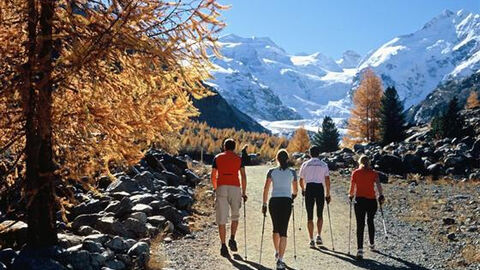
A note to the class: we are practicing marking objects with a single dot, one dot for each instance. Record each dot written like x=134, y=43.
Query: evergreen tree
x=437, y=127
x=328, y=137
x=392, y=120
x=450, y=124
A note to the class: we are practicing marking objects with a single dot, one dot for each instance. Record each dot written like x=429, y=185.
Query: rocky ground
x=420, y=218
x=114, y=226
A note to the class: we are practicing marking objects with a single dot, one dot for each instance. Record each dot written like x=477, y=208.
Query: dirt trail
x=203, y=251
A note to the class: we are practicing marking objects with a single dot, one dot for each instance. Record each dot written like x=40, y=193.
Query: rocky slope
x=112, y=228
x=437, y=101
x=218, y=113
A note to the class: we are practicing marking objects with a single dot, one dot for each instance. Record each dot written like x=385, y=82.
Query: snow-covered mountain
x=264, y=81
x=261, y=79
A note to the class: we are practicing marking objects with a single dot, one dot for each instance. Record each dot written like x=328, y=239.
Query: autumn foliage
x=363, y=125
x=300, y=142
x=472, y=101
x=85, y=85
x=195, y=136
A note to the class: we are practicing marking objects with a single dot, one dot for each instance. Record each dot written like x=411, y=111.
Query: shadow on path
x=249, y=265
x=369, y=263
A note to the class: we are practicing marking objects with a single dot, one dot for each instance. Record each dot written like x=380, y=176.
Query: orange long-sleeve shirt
x=363, y=182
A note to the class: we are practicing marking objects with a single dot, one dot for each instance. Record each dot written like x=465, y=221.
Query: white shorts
x=227, y=197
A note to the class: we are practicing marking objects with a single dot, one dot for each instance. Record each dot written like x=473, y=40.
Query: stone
x=99, y=238
x=86, y=230
x=7, y=256
x=170, y=213
x=125, y=184
x=413, y=164
x=85, y=220
x=435, y=169
x=135, y=226
x=142, y=208
x=97, y=260
x=90, y=207
x=452, y=237
x=390, y=164
x=448, y=221
x=141, y=251
x=157, y=221
x=117, y=244
x=66, y=240
x=92, y=246
x=121, y=208
x=383, y=178
x=140, y=216
x=13, y=233
x=124, y=258
x=183, y=202
x=115, y=264
x=144, y=198
x=79, y=259
x=172, y=179
x=145, y=179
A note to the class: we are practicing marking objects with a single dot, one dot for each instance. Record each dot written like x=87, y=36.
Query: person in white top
x=314, y=180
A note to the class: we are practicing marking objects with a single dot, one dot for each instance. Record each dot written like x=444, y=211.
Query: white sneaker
x=312, y=244
x=281, y=265
x=360, y=254
x=319, y=240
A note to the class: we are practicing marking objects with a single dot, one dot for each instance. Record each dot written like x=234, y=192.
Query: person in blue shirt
x=283, y=180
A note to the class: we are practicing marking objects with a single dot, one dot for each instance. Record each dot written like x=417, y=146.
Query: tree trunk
x=39, y=166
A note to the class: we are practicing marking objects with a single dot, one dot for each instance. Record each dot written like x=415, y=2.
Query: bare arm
x=352, y=188
x=327, y=185
x=244, y=182
x=213, y=176
x=302, y=184
x=266, y=189
x=379, y=187
x=295, y=187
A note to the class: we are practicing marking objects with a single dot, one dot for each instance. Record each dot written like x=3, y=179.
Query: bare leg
x=319, y=226
x=233, y=227
x=222, y=231
x=276, y=241
x=282, y=247
x=310, y=228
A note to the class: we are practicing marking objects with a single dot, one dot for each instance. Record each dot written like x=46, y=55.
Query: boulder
x=171, y=178
x=90, y=207
x=92, y=246
x=117, y=244
x=145, y=179
x=124, y=183
x=99, y=238
x=144, y=198
x=435, y=170
x=157, y=221
x=120, y=208
x=475, y=150
x=115, y=264
x=192, y=178
x=138, y=228
x=86, y=230
x=141, y=251
x=140, y=216
x=13, y=233
x=67, y=240
x=142, y=208
x=111, y=225
x=38, y=259
x=7, y=256
x=383, y=178
x=85, y=220
x=390, y=164
x=413, y=164
x=183, y=202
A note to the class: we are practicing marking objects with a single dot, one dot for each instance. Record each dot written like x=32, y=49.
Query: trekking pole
x=245, y=227
x=301, y=213
x=261, y=242
x=330, y=222
x=350, y=228
x=383, y=220
x=294, y=240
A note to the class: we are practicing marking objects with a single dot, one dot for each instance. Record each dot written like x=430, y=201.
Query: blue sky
x=333, y=26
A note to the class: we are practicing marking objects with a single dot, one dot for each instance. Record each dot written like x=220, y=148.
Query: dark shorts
x=314, y=194
x=280, y=210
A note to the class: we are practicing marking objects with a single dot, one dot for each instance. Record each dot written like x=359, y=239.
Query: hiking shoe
x=224, y=251
x=372, y=247
x=319, y=240
x=232, y=244
x=359, y=254
x=281, y=265
x=312, y=244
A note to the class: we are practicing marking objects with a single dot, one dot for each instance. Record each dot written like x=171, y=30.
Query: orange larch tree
x=472, y=101
x=363, y=125
x=300, y=141
x=88, y=84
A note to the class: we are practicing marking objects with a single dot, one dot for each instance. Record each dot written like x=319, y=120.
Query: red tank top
x=228, y=165
x=363, y=181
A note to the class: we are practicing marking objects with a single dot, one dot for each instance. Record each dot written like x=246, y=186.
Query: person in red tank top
x=362, y=188
x=229, y=192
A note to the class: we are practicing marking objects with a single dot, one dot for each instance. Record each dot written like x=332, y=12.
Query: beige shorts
x=227, y=197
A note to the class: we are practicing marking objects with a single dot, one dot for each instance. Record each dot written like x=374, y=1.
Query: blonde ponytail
x=364, y=162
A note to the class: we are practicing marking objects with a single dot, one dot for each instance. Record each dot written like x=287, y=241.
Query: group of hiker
x=230, y=184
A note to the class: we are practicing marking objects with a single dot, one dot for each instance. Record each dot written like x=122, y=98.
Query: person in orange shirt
x=362, y=188
x=228, y=195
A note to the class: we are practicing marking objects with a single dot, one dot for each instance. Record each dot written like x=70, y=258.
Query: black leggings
x=280, y=209
x=368, y=207
x=314, y=194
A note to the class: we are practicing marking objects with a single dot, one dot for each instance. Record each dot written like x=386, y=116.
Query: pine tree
x=363, y=125
x=436, y=127
x=300, y=141
x=472, y=101
x=450, y=124
x=328, y=137
x=392, y=119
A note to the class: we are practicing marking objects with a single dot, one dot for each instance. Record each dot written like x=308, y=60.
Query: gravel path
x=407, y=247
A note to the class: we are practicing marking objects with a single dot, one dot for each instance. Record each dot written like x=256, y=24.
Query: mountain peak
x=349, y=59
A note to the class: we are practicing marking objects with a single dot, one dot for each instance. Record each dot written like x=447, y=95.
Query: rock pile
x=111, y=229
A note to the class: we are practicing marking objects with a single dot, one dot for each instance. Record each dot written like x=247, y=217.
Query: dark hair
x=229, y=145
x=282, y=158
x=314, y=151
